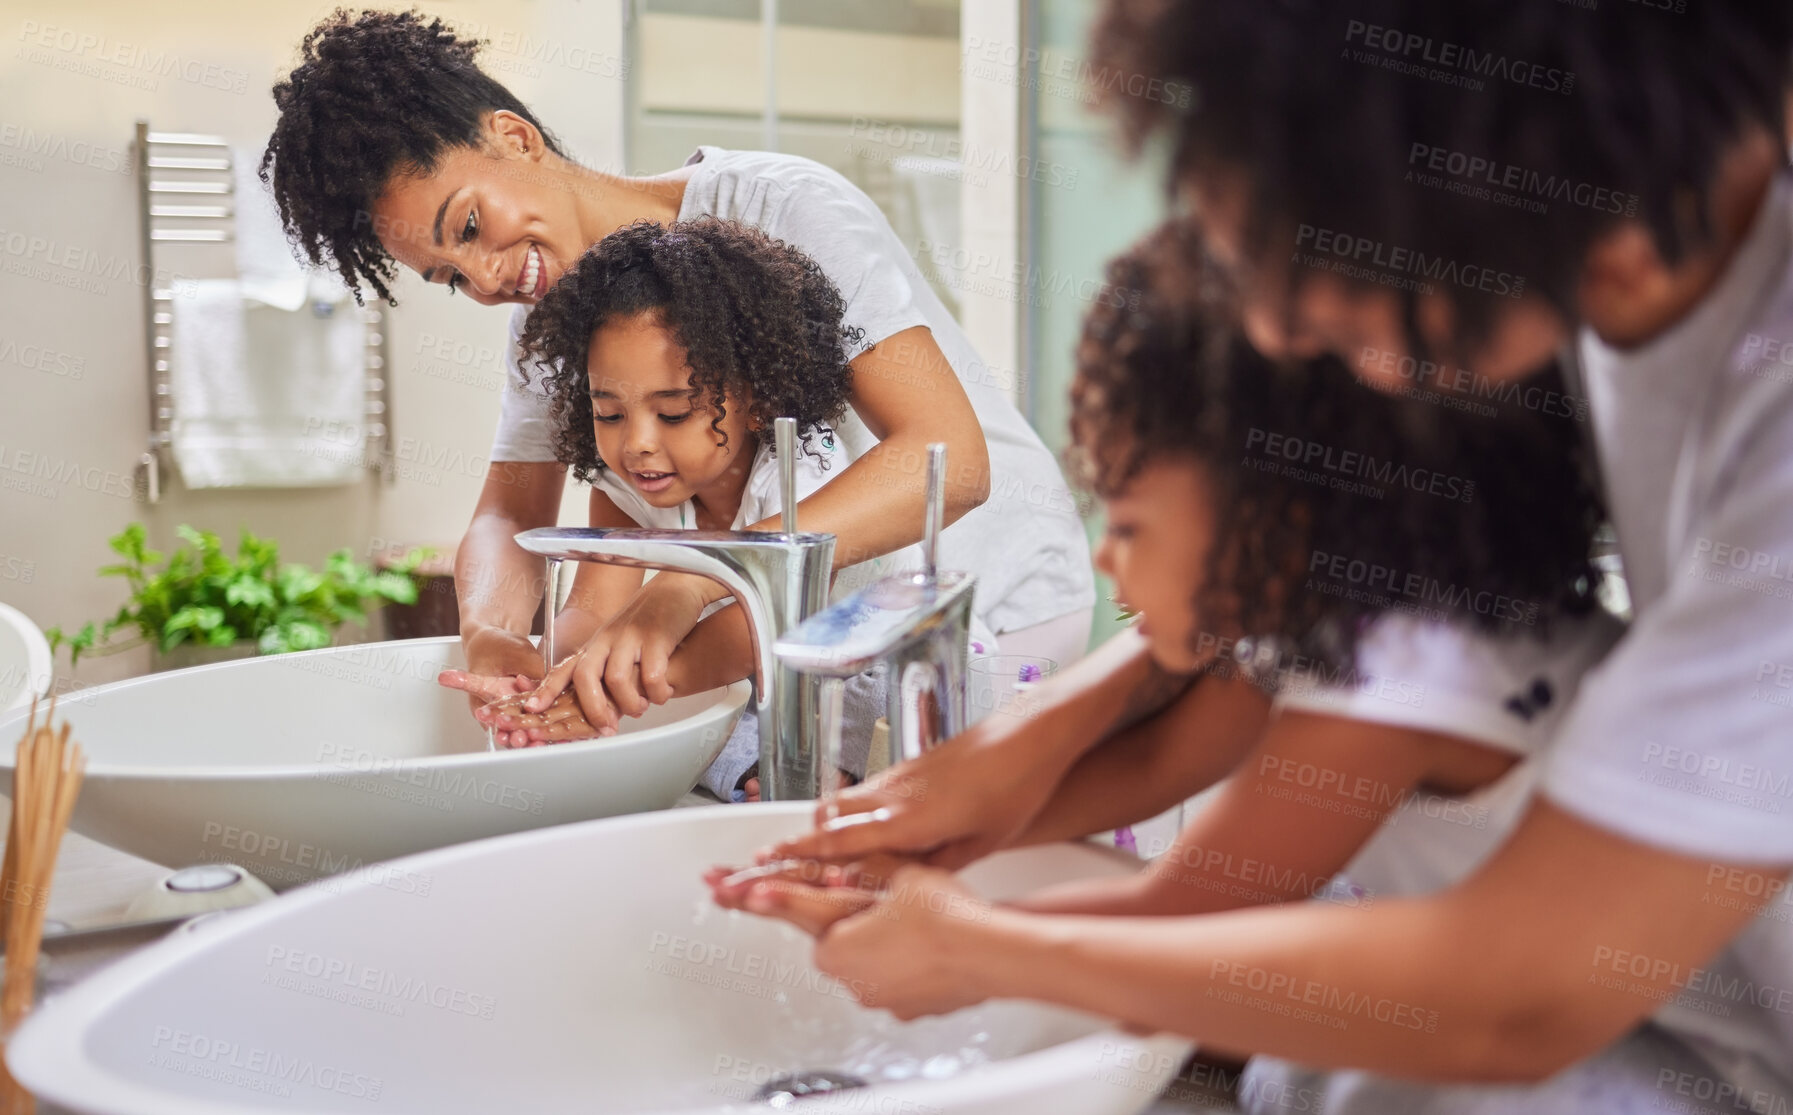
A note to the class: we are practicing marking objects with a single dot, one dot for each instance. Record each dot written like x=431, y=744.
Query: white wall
x=73, y=78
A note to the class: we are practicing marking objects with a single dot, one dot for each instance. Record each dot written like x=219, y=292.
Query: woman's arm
x=497, y=583
x=1304, y=800
x=908, y=396
x=598, y=592
x=1561, y=943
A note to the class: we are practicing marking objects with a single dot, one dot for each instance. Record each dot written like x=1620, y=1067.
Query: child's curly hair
x=1173, y=377
x=375, y=94
x=754, y=315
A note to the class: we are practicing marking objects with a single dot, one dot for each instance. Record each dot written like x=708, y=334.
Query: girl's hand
x=622, y=668
x=516, y=727
x=500, y=664
x=484, y=691
x=730, y=886
x=911, y=950
x=810, y=908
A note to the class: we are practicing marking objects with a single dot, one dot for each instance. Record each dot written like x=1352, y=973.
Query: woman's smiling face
x=499, y=224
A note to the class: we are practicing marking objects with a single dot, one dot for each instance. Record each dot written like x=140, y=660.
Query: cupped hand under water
x=902, y=937
x=514, y=725
x=730, y=886
x=486, y=690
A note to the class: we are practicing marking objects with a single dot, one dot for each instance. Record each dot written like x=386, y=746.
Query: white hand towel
x=266, y=397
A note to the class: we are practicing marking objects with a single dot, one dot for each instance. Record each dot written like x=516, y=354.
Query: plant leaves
x=304, y=634
x=200, y=593
x=397, y=587
x=249, y=592
x=296, y=582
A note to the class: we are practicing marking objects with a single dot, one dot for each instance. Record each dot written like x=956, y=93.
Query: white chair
x=25, y=663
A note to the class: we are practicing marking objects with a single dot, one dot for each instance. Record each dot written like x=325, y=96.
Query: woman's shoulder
x=785, y=195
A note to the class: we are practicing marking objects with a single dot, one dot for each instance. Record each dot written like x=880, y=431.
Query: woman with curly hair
x=667, y=353
x=394, y=149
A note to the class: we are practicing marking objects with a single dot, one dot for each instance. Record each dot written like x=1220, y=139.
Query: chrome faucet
x=917, y=624
x=778, y=578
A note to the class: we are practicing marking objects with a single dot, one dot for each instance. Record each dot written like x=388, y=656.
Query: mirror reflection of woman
x=394, y=150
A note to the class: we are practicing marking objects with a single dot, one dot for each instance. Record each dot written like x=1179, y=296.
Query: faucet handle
x=935, y=514
x=784, y=443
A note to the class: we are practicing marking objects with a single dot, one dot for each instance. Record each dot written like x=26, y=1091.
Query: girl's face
x=651, y=432
x=499, y=224
x=1155, y=548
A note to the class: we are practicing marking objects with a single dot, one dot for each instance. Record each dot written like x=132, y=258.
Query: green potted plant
x=198, y=604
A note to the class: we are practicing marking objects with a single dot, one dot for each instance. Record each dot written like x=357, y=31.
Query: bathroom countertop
x=94, y=884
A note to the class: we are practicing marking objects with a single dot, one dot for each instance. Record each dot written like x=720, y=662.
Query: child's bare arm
x=1148, y=767
x=977, y=791
x=599, y=590
x=1299, y=807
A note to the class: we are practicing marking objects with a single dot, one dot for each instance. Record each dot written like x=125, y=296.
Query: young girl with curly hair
x=667, y=353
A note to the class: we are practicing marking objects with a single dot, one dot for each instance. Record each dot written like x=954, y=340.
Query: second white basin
x=575, y=969
x=299, y=766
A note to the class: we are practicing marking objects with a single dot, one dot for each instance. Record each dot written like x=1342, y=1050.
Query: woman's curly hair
x=374, y=95
x=754, y=316
x=1306, y=107
x=1503, y=511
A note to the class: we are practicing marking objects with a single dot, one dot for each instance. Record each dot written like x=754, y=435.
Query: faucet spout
x=779, y=579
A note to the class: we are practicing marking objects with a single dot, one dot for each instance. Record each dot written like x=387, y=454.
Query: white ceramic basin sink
x=575, y=969
x=305, y=765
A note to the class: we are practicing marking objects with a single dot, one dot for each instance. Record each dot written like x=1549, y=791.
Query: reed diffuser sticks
x=46, y=780
x=46, y=777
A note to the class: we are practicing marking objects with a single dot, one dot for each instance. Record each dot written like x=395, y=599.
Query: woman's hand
x=622, y=669
x=910, y=950
x=500, y=664
x=950, y=807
